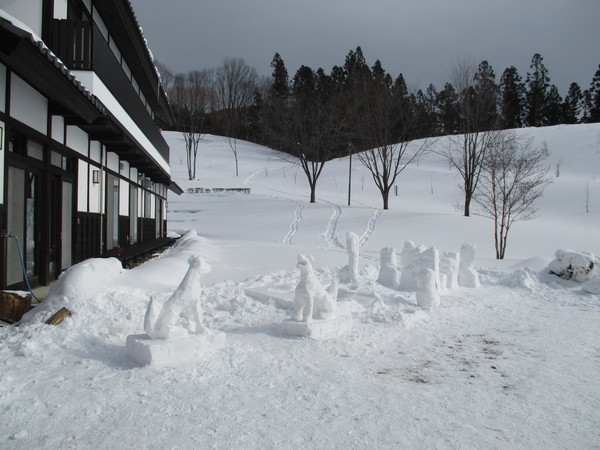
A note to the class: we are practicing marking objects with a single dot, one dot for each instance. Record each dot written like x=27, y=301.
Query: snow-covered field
x=513, y=364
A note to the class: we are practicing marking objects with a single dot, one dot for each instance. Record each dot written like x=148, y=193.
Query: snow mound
x=76, y=286
x=576, y=266
x=593, y=286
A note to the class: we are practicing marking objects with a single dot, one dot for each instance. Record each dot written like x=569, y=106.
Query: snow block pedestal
x=317, y=329
x=144, y=350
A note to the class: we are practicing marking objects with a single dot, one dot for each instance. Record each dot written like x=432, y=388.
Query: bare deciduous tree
x=235, y=86
x=382, y=121
x=513, y=178
x=466, y=152
x=192, y=98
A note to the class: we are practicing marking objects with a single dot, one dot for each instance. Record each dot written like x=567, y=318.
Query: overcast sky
x=418, y=38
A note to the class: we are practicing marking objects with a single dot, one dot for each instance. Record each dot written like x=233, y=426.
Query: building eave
x=35, y=63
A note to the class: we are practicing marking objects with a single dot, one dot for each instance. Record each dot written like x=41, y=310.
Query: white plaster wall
x=91, y=81
x=77, y=139
x=60, y=9
x=152, y=206
x=2, y=88
x=27, y=105
x=112, y=161
x=82, y=186
x=124, y=165
x=123, y=198
x=58, y=129
x=133, y=174
x=96, y=151
x=140, y=196
x=95, y=191
x=27, y=11
x=2, y=155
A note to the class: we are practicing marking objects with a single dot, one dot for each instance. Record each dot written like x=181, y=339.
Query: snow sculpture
x=349, y=274
x=389, y=275
x=429, y=259
x=408, y=257
x=576, y=266
x=427, y=292
x=183, y=306
x=449, y=263
x=311, y=300
x=174, y=330
x=467, y=275
x=315, y=308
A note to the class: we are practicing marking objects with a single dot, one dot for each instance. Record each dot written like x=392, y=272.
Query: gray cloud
x=419, y=38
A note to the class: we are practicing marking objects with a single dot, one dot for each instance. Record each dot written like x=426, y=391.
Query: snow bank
x=77, y=286
x=593, y=286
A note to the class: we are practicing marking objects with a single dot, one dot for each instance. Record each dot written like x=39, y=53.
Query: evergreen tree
x=280, y=86
x=537, y=92
x=594, y=93
x=486, y=92
x=553, y=107
x=512, y=99
x=449, y=113
x=571, y=107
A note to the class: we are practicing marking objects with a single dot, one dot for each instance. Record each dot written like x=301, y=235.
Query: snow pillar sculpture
x=467, y=275
x=389, y=275
x=427, y=292
x=349, y=274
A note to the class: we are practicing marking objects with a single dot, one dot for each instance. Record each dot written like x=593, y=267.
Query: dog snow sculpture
x=183, y=306
x=311, y=300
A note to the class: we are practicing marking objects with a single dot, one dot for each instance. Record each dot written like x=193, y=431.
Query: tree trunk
x=467, y=204
x=386, y=198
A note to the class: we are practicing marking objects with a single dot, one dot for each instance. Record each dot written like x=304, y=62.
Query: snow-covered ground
x=513, y=364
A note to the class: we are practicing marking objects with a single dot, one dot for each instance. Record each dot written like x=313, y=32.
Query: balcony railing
x=81, y=46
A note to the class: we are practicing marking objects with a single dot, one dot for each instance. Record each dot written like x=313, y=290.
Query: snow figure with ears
x=349, y=274
x=429, y=259
x=467, y=275
x=449, y=263
x=311, y=300
x=389, y=276
x=181, y=314
x=409, y=255
x=427, y=292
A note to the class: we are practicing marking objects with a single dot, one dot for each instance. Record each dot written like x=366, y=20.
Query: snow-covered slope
x=513, y=364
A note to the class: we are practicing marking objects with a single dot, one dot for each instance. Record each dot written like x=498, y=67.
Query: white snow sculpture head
x=181, y=314
x=389, y=275
x=408, y=259
x=449, y=262
x=576, y=266
x=311, y=300
x=467, y=275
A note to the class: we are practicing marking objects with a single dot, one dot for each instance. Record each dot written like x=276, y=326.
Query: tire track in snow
x=370, y=228
x=295, y=224
x=332, y=224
